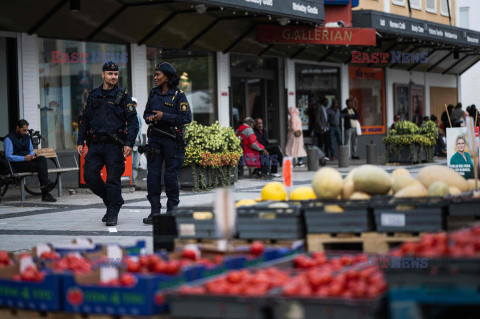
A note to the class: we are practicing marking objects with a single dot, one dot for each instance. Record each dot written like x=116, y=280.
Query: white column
x=459, y=88
x=140, y=90
x=388, y=97
x=386, y=6
x=30, y=80
x=344, y=86
x=290, y=82
x=427, y=95
x=223, y=85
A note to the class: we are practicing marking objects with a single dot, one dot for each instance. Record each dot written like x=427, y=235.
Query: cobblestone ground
x=25, y=224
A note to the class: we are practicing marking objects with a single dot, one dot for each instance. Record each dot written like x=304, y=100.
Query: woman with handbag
x=294, y=146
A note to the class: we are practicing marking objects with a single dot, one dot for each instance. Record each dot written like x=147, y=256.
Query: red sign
x=318, y=35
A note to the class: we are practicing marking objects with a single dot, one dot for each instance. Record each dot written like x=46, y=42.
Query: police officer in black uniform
x=109, y=125
x=167, y=112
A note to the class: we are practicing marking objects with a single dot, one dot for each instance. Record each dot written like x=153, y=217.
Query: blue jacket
x=101, y=115
x=173, y=104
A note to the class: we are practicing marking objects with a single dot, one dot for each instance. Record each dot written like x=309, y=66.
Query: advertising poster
x=417, y=93
x=402, y=101
x=460, y=152
x=303, y=111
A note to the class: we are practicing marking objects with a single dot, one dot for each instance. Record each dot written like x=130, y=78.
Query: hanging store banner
x=318, y=35
x=311, y=10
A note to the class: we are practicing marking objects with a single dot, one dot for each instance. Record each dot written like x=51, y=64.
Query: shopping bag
x=359, y=128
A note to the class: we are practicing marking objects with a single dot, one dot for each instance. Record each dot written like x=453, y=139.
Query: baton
x=159, y=131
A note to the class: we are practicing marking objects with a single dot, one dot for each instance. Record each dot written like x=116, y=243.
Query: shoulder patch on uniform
x=130, y=107
x=85, y=105
x=184, y=106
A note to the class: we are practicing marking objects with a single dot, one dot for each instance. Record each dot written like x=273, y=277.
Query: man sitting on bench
x=19, y=152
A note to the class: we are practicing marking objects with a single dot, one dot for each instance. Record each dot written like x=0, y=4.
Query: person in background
x=461, y=160
x=254, y=153
x=444, y=118
x=334, y=120
x=472, y=111
x=440, y=147
x=19, y=152
x=350, y=116
x=276, y=156
x=135, y=153
x=457, y=115
x=294, y=146
x=396, y=119
x=321, y=126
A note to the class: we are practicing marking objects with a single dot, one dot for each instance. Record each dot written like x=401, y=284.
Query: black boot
x=149, y=219
x=112, y=219
x=48, y=198
x=105, y=217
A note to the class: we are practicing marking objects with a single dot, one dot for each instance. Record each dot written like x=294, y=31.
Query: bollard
x=371, y=153
x=313, y=161
x=164, y=232
x=343, y=160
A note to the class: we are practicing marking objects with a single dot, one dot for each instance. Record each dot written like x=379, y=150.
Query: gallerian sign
x=311, y=10
x=316, y=35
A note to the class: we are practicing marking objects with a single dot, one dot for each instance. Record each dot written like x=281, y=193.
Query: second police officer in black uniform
x=167, y=112
x=109, y=125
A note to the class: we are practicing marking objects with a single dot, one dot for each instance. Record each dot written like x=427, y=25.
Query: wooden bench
x=47, y=153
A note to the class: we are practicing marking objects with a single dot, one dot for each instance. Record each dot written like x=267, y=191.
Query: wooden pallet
x=11, y=313
x=280, y=242
x=370, y=242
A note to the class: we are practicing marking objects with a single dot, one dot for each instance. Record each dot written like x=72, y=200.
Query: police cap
x=166, y=67
x=110, y=66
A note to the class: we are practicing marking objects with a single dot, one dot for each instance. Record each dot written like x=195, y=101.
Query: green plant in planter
x=418, y=140
x=214, y=150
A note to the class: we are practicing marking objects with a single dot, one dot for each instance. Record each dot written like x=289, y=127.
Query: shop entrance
x=9, y=110
x=255, y=94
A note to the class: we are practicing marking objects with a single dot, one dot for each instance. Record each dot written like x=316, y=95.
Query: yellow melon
x=333, y=209
x=399, y=172
x=360, y=195
x=415, y=190
x=327, y=183
x=402, y=181
x=454, y=190
x=274, y=191
x=245, y=202
x=437, y=173
x=349, y=177
x=303, y=193
x=348, y=189
x=372, y=180
x=471, y=184
x=438, y=189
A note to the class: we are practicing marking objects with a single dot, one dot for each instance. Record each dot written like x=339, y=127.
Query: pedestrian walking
x=294, y=146
x=166, y=113
x=350, y=117
x=110, y=119
x=136, y=153
x=321, y=126
x=334, y=121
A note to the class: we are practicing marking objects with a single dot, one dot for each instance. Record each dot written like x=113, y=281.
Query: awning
x=450, y=50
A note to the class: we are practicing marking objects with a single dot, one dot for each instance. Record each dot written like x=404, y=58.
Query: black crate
x=190, y=227
x=356, y=218
x=264, y=222
x=314, y=308
x=218, y=307
x=410, y=214
x=433, y=272
x=463, y=206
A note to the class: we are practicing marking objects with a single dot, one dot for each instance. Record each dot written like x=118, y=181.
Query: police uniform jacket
x=102, y=115
x=173, y=104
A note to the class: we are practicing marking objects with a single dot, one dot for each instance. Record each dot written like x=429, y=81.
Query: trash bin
x=343, y=160
x=313, y=160
x=371, y=153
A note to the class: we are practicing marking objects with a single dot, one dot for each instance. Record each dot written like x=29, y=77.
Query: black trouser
x=276, y=158
x=38, y=165
x=323, y=141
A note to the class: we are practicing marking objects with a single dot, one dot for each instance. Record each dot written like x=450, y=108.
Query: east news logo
x=388, y=57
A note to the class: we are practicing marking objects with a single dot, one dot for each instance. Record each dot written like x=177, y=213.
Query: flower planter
x=186, y=178
x=403, y=155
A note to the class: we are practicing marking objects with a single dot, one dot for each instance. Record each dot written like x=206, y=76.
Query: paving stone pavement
x=25, y=224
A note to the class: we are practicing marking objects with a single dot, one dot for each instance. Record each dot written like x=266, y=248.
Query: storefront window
x=197, y=79
x=367, y=89
x=313, y=82
x=68, y=71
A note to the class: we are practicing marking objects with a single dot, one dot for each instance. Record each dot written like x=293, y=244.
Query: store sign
x=318, y=35
x=416, y=28
x=312, y=10
x=88, y=57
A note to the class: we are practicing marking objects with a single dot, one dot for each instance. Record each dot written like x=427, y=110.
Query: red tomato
x=234, y=277
x=257, y=248
x=172, y=267
x=160, y=267
x=133, y=266
x=127, y=280
x=218, y=259
x=189, y=254
x=159, y=299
